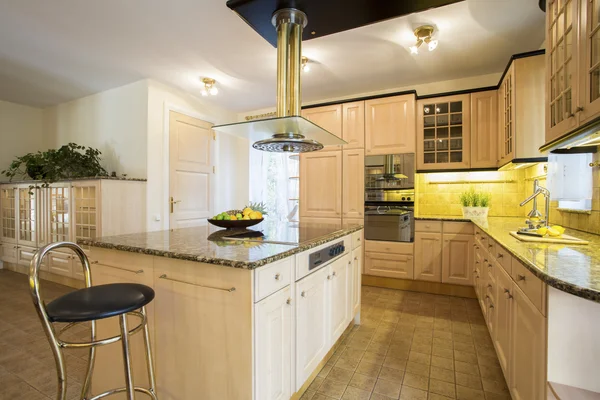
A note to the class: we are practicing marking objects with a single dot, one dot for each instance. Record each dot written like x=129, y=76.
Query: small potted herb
x=474, y=204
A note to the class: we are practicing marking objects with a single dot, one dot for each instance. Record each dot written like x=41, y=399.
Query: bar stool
x=89, y=305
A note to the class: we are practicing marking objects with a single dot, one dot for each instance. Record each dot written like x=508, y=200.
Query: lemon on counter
x=247, y=211
x=542, y=231
x=559, y=228
x=553, y=232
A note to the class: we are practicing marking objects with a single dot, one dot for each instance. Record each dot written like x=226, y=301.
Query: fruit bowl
x=240, y=223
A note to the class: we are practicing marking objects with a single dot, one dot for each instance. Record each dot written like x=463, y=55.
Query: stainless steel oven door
x=389, y=223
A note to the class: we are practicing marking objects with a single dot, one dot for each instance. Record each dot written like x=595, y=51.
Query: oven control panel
x=320, y=257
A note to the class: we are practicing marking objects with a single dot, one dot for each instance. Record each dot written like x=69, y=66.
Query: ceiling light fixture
x=424, y=34
x=305, y=67
x=209, y=87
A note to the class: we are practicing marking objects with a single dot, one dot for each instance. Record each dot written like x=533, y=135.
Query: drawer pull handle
x=355, y=258
x=358, y=240
x=500, y=255
x=334, y=274
x=507, y=294
x=476, y=262
x=288, y=301
x=303, y=294
x=491, y=306
x=490, y=246
x=520, y=277
x=165, y=277
x=277, y=277
x=490, y=265
x=489, y=285
x=139, y=271
x=487, y=296
x=93, y=262
x=329, y=277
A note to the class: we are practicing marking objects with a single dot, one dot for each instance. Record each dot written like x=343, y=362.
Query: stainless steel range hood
x=289, y=132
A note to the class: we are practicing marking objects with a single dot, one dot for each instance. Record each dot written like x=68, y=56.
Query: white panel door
x=191, y=170
x=340, y=299
x=312, y=324
x=273, y=347
x=357, y=262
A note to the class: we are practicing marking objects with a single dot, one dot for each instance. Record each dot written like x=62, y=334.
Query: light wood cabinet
x=312, y=324
x=589, y=72
x=528, y=349
x=357, y=269
x=428, y=256
x=321, y=184
x=506, y=122
x=8, y=213
x=341, y=295
x=457, y=258
x=273, y=346
x=484, y=129
x=353, y=185
x=444, y=133
x=328, y=118
x=353, y=125
x=390, y=125
x=503, y=323
x=391, y=265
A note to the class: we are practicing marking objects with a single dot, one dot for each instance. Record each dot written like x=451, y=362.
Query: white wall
x=232, y=153
x=21, y=132
x=114, y=121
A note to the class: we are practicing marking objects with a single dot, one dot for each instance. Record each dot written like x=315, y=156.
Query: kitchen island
x=248, y=314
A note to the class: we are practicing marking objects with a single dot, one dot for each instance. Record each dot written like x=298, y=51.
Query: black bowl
x=240, y=223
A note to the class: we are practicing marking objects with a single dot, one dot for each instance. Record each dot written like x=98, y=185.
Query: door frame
x=168, y=107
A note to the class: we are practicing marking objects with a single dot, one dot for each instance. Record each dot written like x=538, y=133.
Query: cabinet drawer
x=25, y=255
x=428, y=226
x=504, y=258
x=9, y=252
x=60, y=263
x=533, y=288
x=389, y=247
x=357, y=238
x=465, y=228
x=271, y=278
x=389, y=265
x=120, y=260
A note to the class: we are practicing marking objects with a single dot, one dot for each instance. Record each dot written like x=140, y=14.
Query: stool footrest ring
x=121, y=390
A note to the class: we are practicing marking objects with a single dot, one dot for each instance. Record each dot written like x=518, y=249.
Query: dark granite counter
x=574, y=269
x=207, y=244
x=93, y=178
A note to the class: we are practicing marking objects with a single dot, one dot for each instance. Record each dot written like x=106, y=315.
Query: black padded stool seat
x=98, y=302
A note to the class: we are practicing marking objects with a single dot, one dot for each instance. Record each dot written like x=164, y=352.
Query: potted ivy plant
x=474, y=204
x=67, y=162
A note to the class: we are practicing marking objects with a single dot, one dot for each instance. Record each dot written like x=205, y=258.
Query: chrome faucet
x=534, y=217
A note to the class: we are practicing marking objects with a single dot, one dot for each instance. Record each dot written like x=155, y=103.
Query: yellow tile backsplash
x=440, y=195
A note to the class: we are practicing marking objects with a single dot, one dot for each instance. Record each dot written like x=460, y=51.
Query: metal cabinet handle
x=165, y=277
x=303, y=294
x=491, y=306
x=490, y=265
x=139, y=271
x=355, y=258
x=489, y=285
x=487, y=296
x=329, y=277
x=500, y=255
x=288, y=301
x=490, y=246
x=277, y=277
x=520, y=277
x=334, y=274
x=507, y=293
x=96, y=262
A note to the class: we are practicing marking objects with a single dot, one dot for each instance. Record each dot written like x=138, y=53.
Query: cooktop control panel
x=320, y=257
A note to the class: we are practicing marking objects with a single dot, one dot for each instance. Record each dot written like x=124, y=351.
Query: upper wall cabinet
x=521, y=109
x=444, y=133
x=353, y=125
x=328, y=118
x=390, y=125
x=321, y=185
x=484, y=129
x=590, y=92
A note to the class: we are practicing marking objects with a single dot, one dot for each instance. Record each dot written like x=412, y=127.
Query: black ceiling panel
x=326, y=17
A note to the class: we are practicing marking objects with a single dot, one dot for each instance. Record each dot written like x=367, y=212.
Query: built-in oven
x=389, y=197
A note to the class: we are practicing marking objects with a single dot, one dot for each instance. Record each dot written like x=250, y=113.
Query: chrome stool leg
x=126, y=357
x=85, y=390
x=149, y=360
x=61, y=368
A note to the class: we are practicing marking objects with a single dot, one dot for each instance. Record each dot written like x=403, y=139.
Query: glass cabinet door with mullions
x=443, y=133
x=8, y=214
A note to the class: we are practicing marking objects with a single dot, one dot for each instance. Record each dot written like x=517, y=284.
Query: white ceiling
x=59, y=50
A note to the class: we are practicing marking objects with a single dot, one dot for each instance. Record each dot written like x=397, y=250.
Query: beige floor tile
x=443, y=352
x=498, y=387
x=321, y=396
x=388, y=388
x=488, y=361
x=390, y=374
x=308, y=395
x=442, y=362
x=347, y=364
x=324, y=371
x=466, y=347
x=470, y=381
x=332, y=388
x=373, y=358
x=396, y=363
x=362, y=382
x=442, y=374
x=491, y=373
x=465, y=393
x=465, y=357
x=419, y=358
x=340, y=375
x=443, y=388
x=368, y=369
x=378, y=396
x=353, y=393
x=495, y=396
x=316, y=384
x=417, y=368
x=435, y=396
x=466, y=368
x=410, y=393
x=416, y=381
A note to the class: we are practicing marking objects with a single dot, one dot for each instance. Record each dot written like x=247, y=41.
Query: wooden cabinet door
x=273, y=346
x=390, y=125
x=312, y=324
x=357, y=257
x=428, y=256
x=503, y=315
x=506, y=132
x=108, y=370
x=565, y=67
x=353, y=125
x=589, y=56
x=58, y=213
x=328, y=118
x=321, y=184
x=86, y=206
x=389, y=265
x=340, y=296
x=444, y=133
x=457, y=258
x=528, y=349
x=353, y=186
x=8, y=214
x=484, y=129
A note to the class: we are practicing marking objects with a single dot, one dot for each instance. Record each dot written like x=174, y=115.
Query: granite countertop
x=110, y=178
x=574, y=269
x=206, y=244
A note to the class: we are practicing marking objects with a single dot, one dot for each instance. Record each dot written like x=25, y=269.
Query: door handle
x=173, y=202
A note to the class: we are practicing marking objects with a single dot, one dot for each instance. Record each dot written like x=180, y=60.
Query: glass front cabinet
x=444, y=133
